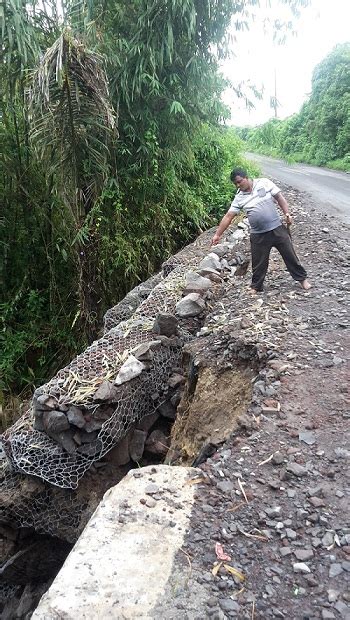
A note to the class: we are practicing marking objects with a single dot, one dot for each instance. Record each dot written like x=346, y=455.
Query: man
x=258, y=199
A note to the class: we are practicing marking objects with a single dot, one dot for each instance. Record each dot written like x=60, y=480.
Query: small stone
x=284, y=551
x=335, y=570
x=333, y=595
x=317, y=502
x=303, y=554
x=190, y=306
x=106, y=392
x=296, y=469
x=307, y=437
x=274, y=512
x=343, y=609
x=328, y=539
x=277, y=458
x=301, y=567
x=225, y=486
x=151, y=489
x=150, y=502
x=291, y=534
x=327, y=614
x=137, y=445
x=228, y=605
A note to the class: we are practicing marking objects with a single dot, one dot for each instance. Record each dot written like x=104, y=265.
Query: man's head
x=240, y=178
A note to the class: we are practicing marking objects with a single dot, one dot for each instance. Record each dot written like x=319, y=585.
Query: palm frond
x=73, y=123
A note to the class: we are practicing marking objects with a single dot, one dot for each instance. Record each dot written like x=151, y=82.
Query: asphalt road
x=328, y=189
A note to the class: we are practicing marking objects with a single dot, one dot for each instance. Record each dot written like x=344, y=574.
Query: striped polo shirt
x=259, y=205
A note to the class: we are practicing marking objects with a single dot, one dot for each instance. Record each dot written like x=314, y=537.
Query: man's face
x=242, y=183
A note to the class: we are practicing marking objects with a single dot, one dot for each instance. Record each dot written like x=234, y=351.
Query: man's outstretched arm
x=283, y=204
x=225, y=222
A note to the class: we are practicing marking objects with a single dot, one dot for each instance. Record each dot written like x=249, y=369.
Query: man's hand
x=289, y=219
x=216, y=239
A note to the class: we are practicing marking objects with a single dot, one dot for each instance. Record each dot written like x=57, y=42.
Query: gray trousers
x=261, y=245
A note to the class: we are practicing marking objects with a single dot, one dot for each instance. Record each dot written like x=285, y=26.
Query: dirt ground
x=276, y=494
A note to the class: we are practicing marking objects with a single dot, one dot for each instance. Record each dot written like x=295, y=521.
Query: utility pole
x=273, y=99
x=275, y=106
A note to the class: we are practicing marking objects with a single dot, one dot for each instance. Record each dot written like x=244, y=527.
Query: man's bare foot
x=305, y=285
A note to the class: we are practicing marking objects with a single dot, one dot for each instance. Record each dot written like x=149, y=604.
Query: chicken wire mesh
x=35, y=453
x=31, y=452
x=31, y=503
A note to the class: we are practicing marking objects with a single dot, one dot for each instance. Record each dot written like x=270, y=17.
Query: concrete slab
x=121, y=563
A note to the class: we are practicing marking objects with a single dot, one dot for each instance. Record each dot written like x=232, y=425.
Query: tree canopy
x=115, y=155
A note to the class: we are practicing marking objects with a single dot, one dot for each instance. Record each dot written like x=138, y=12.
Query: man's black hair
x=238, y=172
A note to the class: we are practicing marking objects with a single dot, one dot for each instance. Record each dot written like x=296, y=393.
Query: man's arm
x=283, y=204
x=225, y=222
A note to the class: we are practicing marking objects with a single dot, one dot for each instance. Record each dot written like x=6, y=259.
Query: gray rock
x=175, y=380
x=75, y=416
x=291, y=534
x=227, y=604
x=131, y=369
x=167, y=410
x=150, y=502
x=152, y=489
x=190, y=306
x=343, y=609
x=296, y=469
x=106, y=392
x=327, y=614
x=194, y=277
x=137, y=445
x=333, y=595
x=303, y=554
x=45, y=402
x=65, y=439
x=225, y=486
x=307, y=437
x=274, y=512
x=157, y=443
x=166, y=324
x=55, y=421
x=211, y=261
x=38, y=420
x=328, y=539
x=335, y=570
x=147, y=421
x=301, y=567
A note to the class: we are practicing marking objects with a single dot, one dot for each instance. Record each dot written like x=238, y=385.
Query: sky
x=257, y=57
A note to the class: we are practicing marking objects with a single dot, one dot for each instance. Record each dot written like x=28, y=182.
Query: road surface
x=329, y=190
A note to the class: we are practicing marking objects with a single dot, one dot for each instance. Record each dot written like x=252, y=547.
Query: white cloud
x=319, y=28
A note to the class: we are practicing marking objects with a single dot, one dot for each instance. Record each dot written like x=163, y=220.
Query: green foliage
x=320, y=133
x=89, y=209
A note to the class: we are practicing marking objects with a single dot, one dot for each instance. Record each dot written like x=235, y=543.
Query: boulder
x=157, y=443
x=166, y=324
x=167, y=410
x=129, y=370
x=75, y=416
x=189, y=306
x=137, y=445
x=106, y=392
x=212, y=261
x=55, y=421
